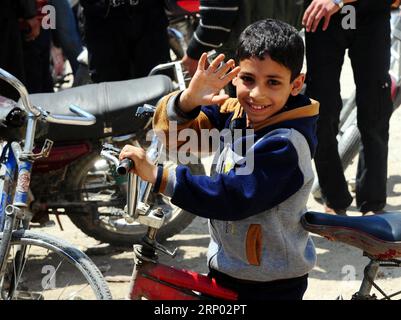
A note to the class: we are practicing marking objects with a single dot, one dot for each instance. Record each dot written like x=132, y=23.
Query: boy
x=258, y=246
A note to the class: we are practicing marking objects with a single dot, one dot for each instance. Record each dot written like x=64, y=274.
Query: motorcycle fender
x=61, y=156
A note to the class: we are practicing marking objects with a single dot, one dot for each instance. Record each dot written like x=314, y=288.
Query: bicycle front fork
x=11, y=215
x=146, y=259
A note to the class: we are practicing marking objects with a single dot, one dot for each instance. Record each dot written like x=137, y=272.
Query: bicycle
x=34, y=265
x=379, y=237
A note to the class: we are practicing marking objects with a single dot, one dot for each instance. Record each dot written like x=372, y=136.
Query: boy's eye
x=246, y=78
x=272, y=82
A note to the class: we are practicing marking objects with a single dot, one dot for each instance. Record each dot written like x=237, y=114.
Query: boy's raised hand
x=207, y=82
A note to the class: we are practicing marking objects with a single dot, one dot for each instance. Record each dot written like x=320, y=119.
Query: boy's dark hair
x=277, y=39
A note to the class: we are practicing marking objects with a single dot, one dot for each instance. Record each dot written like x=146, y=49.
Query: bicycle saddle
x=113, y=103
x=377, y=235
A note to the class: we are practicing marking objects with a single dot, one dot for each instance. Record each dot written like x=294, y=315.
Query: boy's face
x=263, y=87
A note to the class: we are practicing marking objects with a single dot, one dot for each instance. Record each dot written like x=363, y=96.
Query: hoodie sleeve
x=281, y=165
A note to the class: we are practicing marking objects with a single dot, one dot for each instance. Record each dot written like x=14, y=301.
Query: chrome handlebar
x=111, y=153
x=134, y=206
x=83, y=118
x=13, y=81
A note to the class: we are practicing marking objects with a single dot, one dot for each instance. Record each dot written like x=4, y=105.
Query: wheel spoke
x=54, y=273
x=24, y=281
x=61, y=294
x=76, y=292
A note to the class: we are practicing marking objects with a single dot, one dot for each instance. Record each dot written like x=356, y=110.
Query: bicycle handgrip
x=125, y=166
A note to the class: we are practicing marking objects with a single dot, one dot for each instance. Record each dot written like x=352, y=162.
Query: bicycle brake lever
x=110, y=148
x=145, y=111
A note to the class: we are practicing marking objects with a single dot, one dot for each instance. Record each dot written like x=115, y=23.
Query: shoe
x=373, y=212
x=340, y=212
x=369, y=213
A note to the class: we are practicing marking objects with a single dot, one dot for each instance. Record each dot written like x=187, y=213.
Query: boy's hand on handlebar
x=145, y=169
x=207, y=82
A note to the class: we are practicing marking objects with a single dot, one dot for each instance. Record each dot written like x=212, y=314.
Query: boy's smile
x=263, y=87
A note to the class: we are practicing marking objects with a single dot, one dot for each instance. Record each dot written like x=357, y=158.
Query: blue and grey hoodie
x=254, y=223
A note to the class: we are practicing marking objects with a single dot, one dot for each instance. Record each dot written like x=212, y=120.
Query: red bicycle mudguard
x=60, y=156
x=161, y=282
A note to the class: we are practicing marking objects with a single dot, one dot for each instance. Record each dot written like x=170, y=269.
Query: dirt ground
x=339, y=268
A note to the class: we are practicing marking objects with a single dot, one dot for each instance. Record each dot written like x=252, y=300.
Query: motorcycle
x=74, y=179
x=183, y=19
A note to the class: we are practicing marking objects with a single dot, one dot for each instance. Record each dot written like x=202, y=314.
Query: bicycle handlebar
x=15, y=83
x=84, y=118
x=125, y=166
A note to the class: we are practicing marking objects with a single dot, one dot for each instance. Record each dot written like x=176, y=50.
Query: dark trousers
x=369, y=52
x=11, y=58
x=125, y=42
x=287, y=289
x=37, y=63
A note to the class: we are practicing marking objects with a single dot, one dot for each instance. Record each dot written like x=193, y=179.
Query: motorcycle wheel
x=349, y=144
x=107, y=224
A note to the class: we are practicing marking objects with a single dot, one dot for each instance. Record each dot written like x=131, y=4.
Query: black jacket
x=21, y=8
x=374, y=5
x=26, y=8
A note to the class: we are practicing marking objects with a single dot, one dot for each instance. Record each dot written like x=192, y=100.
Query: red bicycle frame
x=155, y=281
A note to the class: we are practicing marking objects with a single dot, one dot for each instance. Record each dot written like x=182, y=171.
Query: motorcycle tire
x=118, y=232
x=348, y=146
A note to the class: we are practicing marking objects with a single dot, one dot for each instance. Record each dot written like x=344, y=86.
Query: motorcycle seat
x=112, y=103
x=378, y=235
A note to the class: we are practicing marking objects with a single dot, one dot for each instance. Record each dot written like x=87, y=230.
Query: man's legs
x=36, y=63
x=325, y=56
x=148, y=40
x=371, y=64
x=108, y=56
x=11, y=58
